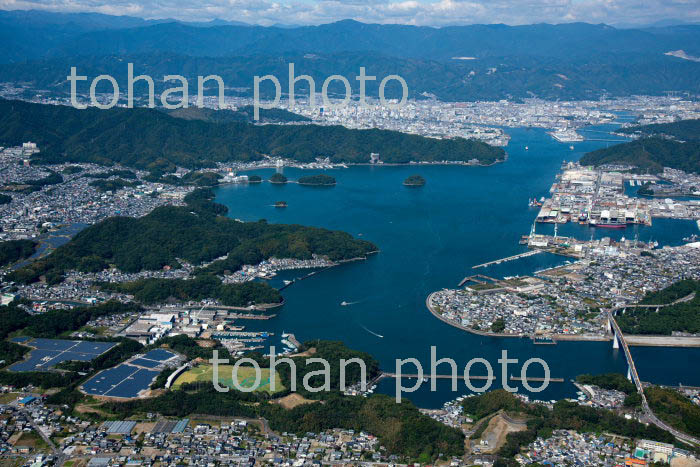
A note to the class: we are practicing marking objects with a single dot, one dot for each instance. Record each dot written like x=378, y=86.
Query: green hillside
x=150, y=139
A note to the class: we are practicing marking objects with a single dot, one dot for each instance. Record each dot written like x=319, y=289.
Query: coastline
x=464, y=328
x=345, y=165
x=633, y=340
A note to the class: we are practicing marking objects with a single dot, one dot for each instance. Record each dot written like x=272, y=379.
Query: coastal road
x=649, y=415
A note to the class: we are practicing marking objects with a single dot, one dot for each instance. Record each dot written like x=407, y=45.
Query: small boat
x=344, y=303
x=526, y=148
x=571, y=147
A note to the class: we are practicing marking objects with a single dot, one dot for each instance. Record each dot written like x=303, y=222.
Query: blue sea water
x=429, y=238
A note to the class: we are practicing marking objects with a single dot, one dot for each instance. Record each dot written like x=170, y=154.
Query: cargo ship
x=608, y=224
x=612, y=220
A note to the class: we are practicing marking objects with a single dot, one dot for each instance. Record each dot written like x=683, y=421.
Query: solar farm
x=130, y=379
x=120, y=427
x=245, y=376
x=47, y=353
x=170, y=426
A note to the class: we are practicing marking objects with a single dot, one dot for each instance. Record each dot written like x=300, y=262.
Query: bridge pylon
x=629, y=373
x=616, y=341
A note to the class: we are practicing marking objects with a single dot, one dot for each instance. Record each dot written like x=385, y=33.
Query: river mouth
x=429, y=239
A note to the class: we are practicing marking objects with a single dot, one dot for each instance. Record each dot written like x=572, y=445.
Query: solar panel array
x=48, y=353
x=170, y=426
x=159, y=355
x=129, y=379
x=118, y=427
x=181, y=425
x=145, y=363
x=123, y=380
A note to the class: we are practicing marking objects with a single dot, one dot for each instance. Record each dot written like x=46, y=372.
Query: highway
x=648, y=413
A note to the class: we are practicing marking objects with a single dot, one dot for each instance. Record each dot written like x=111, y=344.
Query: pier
x=478, y=279
x=306, y=276
x=509, y=258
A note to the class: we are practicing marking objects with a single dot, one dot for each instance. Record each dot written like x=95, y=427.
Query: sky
x=417, y=12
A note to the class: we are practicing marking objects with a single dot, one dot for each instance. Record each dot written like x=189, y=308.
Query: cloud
x=419, y=12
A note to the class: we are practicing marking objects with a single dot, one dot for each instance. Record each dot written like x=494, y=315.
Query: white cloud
x=421, y=12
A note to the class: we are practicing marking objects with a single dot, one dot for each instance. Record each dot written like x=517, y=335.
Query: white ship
x=566, y=135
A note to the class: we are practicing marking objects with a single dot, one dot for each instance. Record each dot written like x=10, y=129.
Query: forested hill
x=650, y=155
x=455, y=63
x=684, y=316
x=683, y=130
x=150, y=139
x=243, y=114
x=28, y=37
x=196, y=233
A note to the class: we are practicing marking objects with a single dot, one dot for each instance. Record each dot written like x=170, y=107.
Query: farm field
x=245, y=375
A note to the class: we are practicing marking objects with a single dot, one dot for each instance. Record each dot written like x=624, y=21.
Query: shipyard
x=597, y=197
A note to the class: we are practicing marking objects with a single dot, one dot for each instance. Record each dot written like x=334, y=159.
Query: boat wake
x=372, y=332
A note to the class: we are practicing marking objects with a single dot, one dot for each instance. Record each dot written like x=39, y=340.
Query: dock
x=478, y=279
x=509, y=258
x=234, y=316
x=306, y=276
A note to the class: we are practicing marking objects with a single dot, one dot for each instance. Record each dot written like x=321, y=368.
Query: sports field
x=245, y=376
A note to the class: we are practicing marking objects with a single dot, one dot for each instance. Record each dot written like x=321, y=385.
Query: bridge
x=619, y=341
x=687, y=298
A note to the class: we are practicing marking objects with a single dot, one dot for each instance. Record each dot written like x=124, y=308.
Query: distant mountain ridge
x=563, y=61
x=454, y=80
x=91, y=34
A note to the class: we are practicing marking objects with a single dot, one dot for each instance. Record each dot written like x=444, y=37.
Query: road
x=60, y=457
x=648, y=413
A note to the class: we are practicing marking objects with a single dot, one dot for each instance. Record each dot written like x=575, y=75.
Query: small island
x=281, y=204
x=254, y=179
x=278, y=178
x=317, y=180
x=414, y=180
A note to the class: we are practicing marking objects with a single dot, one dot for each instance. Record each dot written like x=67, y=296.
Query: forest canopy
x=683, y=316
x=152, y=140
x=195, y=233
x=649, y=155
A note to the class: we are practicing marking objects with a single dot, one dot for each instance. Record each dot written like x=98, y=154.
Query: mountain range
x=575, y=60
